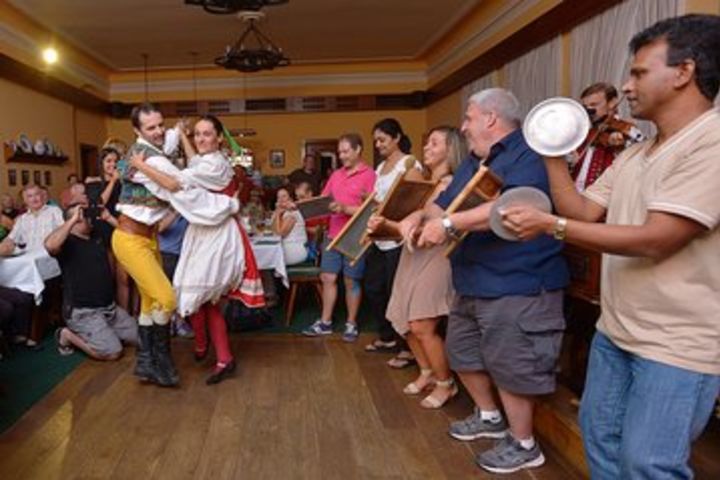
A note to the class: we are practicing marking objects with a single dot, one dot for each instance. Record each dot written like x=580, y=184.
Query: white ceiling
x=119, y=32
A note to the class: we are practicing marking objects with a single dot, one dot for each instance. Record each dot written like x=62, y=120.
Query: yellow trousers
x=141, y=259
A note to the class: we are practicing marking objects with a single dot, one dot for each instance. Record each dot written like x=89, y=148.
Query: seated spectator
x=47, y=200
x=67, y=194
x=16, y=314
x=303, y=191
x=7, y=215
x=290, y=225
x=95, y=325
x=32, y=227
x=254, y=208
x=9, y=210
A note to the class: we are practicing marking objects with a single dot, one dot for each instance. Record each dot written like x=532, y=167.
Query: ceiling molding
x=257, y=82
x=556, y=21
x=509, y=11
x=449, y=25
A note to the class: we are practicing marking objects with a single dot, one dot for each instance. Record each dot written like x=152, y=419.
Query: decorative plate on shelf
x=25, y=144
x=12, y=145
x=49, y=147
x=39, y=147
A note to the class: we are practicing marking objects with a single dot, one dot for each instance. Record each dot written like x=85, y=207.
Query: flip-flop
x=63, y=350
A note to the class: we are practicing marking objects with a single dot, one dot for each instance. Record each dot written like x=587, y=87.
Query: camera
x=92, y=212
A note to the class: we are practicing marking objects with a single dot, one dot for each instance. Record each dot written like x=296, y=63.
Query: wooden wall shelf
x=32, y=158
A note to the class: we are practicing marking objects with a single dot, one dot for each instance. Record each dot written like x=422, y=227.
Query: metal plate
x=556, y=127
x=25, y=144
x=519, y=195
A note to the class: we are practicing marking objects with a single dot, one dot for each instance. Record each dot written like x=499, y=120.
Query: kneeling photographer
x=95, y=324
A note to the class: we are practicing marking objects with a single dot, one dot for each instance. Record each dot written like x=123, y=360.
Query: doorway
x=88, y=161
x=325, y=153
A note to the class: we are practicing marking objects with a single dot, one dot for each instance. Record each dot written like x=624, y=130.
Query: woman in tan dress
x=422, y=291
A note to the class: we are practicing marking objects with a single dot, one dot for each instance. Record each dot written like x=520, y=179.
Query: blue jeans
x=638, y=417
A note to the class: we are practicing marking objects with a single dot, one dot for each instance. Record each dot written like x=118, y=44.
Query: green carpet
x=28, y=375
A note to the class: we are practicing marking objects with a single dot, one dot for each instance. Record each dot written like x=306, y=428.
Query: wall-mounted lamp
x=50, y=55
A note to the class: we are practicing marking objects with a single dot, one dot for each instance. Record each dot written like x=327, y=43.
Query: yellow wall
x=702, y=6
x=30, y=38
x=289, y=131
x=447, y=111
x=40, y=116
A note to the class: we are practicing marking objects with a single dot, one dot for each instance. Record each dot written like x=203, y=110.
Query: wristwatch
x=559, y=229
x=449, y=227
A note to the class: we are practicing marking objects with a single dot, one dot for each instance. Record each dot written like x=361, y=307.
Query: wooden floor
x=297, y=408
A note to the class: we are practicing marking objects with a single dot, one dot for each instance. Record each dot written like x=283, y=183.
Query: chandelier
x=223, y=7
x=253, y=51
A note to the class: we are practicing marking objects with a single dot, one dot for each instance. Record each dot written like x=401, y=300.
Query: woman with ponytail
x=393, y=146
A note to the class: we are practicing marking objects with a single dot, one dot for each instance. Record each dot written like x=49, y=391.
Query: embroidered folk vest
x=133, y=193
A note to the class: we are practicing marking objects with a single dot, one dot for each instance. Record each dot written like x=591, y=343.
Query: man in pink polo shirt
x=348, y=186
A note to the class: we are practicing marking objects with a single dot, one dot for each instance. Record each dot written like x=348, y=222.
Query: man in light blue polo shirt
x=505, y=327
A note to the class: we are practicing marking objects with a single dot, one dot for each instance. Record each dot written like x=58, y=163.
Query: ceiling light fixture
x=224, y=7
x=253, y=51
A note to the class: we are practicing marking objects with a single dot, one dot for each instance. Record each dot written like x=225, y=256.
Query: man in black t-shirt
x=95, y=325
x=308, y=173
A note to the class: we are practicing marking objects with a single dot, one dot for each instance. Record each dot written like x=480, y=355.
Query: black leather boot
x=145, y=365
x=167, y=374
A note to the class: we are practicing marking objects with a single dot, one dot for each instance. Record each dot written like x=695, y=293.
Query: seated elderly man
x=32, y=227
x=96, y=325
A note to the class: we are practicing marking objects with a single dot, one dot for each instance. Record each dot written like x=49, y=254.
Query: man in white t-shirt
x=654, y=369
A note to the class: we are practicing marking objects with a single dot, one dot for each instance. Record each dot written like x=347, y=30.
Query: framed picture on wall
x=25, y=177
x=48, y=178
x=12, y=177
x=277, y=158
x=37, y=177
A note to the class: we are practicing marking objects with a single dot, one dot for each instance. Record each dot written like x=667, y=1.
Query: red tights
x=210, y=315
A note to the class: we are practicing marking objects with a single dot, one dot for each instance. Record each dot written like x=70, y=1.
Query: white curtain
x=481, y=83
x=599, y=47
x=536, y=75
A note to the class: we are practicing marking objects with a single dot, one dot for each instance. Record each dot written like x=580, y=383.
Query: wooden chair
x=305, y=274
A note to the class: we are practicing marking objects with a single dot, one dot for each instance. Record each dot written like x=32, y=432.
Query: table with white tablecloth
x=27, y=271
x=269, y=255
